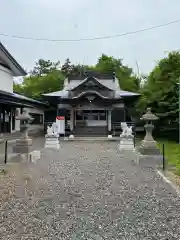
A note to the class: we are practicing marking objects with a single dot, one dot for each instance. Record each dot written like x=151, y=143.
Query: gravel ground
x=87, y=191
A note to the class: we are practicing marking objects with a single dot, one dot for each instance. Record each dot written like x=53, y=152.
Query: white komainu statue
x=126, y=131
x=49, y=131
x=55, y=128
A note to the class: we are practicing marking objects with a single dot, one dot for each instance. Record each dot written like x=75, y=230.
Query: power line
x=93, y=38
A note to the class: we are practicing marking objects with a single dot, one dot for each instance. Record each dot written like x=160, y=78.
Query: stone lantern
x=24, y=144
x=25, y=119
x=149, y=145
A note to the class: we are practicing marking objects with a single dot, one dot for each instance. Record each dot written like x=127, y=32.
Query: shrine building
x=92, y=104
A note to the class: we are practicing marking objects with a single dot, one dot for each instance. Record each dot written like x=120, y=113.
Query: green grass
x=172, y=154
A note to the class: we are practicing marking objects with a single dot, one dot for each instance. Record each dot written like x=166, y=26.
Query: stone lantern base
x=148, y=155
x=150, y=161
x=126, y=143
x=149, y=148
x=23, y=145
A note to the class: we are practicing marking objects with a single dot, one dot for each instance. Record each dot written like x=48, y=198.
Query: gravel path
x=87, y=191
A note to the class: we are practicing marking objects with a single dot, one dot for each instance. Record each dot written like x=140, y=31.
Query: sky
x=75, y=19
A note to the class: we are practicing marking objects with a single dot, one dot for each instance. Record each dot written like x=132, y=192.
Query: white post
x=109, y=120
x=17, y=122
x=75, y=117
x=71, y=123
x=109, y=124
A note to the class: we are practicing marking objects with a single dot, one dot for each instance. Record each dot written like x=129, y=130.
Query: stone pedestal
x=126, y=143
x=30, y=157
x=110, y=136
x=71, y=136
x=23, y=146
x=34, y=156
x=149, y=148
x=152, y=161
x=52, y=142
x=148, y=154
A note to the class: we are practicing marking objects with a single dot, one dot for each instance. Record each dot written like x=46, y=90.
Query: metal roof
x=118, y=94
x=121, y=93
x=15, y=103
x=62, y=93
x=27, y=99
x=19, y=97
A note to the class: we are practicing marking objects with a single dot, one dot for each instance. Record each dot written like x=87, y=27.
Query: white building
x=11, y=103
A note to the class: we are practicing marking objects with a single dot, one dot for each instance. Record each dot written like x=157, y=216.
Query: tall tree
x=35, y=86
x=161, y=90
x=44, y=67
x=108, y=64
x=73, y=69
x=127, y=80
x=66, y=67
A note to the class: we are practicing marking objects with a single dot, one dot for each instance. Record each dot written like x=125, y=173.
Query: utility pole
x=179, y=108
x=137, y=68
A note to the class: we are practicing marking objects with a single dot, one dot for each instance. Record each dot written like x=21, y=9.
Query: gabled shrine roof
x=111, y=84
x=108, y=81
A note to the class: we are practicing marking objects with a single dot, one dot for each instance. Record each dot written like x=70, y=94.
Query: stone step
x=91, y=131
x=91, y=139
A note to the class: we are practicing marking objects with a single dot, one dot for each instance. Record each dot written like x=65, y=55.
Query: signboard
x=60, y=120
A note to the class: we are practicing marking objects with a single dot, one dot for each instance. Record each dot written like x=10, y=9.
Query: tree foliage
x=44, y=78
x=127, y=79
x=44, y=67
x=161, y=89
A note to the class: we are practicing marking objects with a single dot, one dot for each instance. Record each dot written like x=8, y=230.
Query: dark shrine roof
x=90, y=73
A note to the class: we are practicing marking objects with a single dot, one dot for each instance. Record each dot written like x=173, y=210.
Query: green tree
x=108, y=64
x=44, y=78
x=127, y=80
x=44, y=67
x=35, y=86
x=66, y=68
x=17, y=87
x=161, y=90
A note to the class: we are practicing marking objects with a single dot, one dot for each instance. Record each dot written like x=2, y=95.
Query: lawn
x=172, y=154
